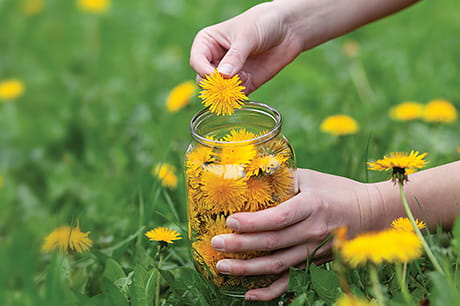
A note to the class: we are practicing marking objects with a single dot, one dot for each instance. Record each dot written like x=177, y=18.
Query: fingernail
x=218, y=243
x=223, y=267
x=226, y=69
x=250, y=297
x=233, y=224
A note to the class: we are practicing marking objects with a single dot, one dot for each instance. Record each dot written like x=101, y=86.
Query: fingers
x=275, y=263
x=287, y=213
x=206, y=52
x=235, y=58
x=276, y=289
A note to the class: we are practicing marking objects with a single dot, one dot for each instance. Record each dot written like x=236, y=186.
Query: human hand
x=297, y=226
x=256, y=44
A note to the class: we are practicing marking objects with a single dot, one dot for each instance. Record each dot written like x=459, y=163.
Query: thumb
x=235, y=58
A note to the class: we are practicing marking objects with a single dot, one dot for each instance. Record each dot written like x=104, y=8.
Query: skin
x=256, y=45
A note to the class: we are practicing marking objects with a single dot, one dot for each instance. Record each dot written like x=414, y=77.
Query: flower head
x=32, y=7
x=163, y=234
x=259, y=194
x=403, y=224
x=400, y=163
x=350, y=48
x=239, y=135
x=350, y=300
x=94, y=6
x=180, y=96
x=377, y=247
x=67, y=239
x=165, y=173
x=11, y=89
x=441, y=111
x=222, y=95
x=339, y=125
x=406, y=111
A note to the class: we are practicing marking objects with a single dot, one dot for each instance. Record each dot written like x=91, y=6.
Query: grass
x=80, y=144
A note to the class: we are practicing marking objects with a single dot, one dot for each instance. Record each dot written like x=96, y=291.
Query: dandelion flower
x=11, y=89
x=458, y=149
x=163, y=234
x=67, y=239
x=350, y=300
x=32, y=7
x=239, y=135
x=441, y=111
x=223, y=191
x=180, y=96
x=222, y=95
x=282, y=182
x=165, y=173
x=265, y=163
x=403, y=224
x=406, y=111
x=339, y=125
x=237, y=155
x=377, y=247
x=259, y=194
x=399, y=163
x=350, y=48
x=94, y=6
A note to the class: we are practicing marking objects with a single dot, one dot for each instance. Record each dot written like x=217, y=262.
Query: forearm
x=433, y=195
x=317, y=21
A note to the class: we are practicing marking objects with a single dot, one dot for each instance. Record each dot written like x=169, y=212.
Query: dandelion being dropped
x=221, y=95
x=67, y=239
x=163, y=234
x=400, y=163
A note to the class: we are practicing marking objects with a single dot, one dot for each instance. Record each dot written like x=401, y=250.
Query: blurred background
x=86, y=122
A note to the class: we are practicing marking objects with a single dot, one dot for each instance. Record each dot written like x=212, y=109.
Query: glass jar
x=237, y=163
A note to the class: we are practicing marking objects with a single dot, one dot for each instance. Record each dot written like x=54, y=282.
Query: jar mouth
x=201, y=124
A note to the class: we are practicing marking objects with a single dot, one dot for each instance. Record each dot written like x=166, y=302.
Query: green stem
x=401, y=275
x=427, y=249
x=376, y=285
x=157, y=286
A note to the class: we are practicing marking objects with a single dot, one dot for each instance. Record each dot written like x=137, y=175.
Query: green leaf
x=113, y=271
x=299, y=280
x=137, y=290
x=112, y=293
x=456, y=233
x=325, y=283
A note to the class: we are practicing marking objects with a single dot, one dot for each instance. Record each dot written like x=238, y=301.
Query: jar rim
x=247, y=106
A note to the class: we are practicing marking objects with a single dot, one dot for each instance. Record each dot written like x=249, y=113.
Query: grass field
x=80, y=143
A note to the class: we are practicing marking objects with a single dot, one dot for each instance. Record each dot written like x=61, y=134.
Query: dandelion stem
x=427, y=249
x=401, y=275
x=376, y=285
x=157, y=286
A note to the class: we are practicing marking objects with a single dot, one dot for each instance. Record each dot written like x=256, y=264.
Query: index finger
x=204, y=54
x=287, y=213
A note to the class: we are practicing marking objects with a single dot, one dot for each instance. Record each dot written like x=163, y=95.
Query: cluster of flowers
x=231, y=178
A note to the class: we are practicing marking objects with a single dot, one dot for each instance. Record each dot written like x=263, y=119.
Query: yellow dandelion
x=282, y=182
x=223, y=191
x=180, y=96
x=339, y=125
x=215, y=225
x=403, y=224
x=406, y=111
x=350, y=48
x=204, y=253
x=399, y=163
x=67, y=239
x=350, y=300
x=237, y=155
x=199, y=156
x=259, y=194
x=222, y=95
x=458, y=149
x=239, y=135
x=377, y=247
x=441, y=111
x=265, y=163
x=163, y=234
x=340, y=237
x=32, y=7
x=11, y=89
x=166, y=174
x=94, y=6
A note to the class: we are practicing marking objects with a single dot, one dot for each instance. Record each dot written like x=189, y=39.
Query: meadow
x=80, y=143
